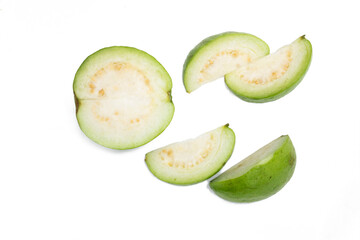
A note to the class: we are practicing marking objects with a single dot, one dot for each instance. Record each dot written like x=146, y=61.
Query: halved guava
x=258, y=176
x=220, y=54
x=123, y=97
x=272, y=76
x=194, y=160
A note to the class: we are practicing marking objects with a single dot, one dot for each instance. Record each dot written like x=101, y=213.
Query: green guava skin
x=208, y=41
x=304, y=67
x=261, y=181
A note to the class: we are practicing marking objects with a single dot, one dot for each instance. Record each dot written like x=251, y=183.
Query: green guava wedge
x=123, y=97
x=220, y=54
x=258, y=176
x=194, y=160
x=272, y=76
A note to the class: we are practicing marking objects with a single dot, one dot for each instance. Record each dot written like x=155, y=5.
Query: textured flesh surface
x=272, y=76
x=220, y=54
x=194, y=160
x=260, y=175
x=123, y=97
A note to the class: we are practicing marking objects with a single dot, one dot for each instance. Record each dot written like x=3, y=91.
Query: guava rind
x=294, y=82
x=261, y=181
x=191, y=57
x=223, y=155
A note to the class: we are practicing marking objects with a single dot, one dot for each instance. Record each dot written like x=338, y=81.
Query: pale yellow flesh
x=119, y=92
x=119, y=102
x=269, y=68
x=224, y=61
x=190, y=154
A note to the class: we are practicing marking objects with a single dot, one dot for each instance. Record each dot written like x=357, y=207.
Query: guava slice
x=258, y=176
x=273, y=76
x=193, y=160
x=220, y=54
x=123, y=97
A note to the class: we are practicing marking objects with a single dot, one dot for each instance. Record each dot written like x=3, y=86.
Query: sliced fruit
x=258, y=176
x=123, y=97
x=272, y=76
x=194, y=160
x=220, y=54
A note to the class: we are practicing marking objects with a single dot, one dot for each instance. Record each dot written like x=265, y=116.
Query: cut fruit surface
x=220, y=54
x=194, y=160
x=272, y=76
x=123, y=97
x=258, y=176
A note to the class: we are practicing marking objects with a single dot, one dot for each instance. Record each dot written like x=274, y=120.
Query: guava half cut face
x=193, y=160
x=123, y=97
x=260, y=175
x=273, y=76
x=220, y=54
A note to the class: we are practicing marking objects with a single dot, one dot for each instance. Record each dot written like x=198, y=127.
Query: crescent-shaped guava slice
x=123, y=97
x=218, y=55
x=193, y=160
x=260, y=175
x=273, y=76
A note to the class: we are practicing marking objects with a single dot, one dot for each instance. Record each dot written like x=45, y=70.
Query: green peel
x=258, y=176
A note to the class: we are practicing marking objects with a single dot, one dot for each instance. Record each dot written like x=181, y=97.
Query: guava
x=193, y=160
x=258, y=176
x=273, y=76
x=123, y=97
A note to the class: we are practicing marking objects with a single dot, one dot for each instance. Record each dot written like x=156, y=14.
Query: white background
x=55, y=183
